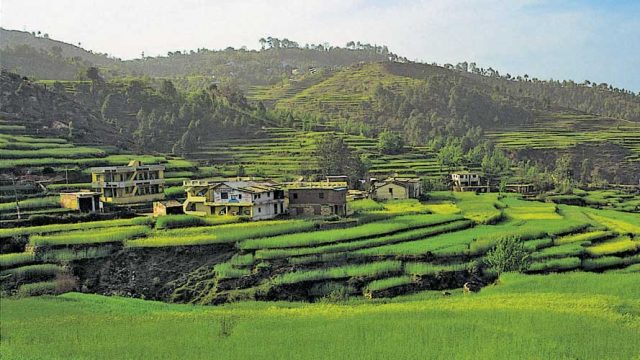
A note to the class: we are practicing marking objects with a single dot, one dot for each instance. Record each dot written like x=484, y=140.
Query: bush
x=509, y=254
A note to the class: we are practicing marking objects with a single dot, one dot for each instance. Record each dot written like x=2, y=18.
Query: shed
x=83, y=201
x=169, y=207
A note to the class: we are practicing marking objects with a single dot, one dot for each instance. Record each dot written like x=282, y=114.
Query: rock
x=470, y=287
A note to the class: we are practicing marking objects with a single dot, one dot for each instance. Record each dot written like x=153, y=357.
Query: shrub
x=509, y=254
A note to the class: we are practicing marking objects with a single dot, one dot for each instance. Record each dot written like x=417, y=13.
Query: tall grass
x=8, y=260
x=370, y=270
x=566, y=263
x=33, y=271
x=406, y=222
x=480, y=208
x=38, y=288
x=388, y=283
x=34, y=203
x=66, y=255
x=65, y=153
x=45, y=229
x=618, y=245
x=561, y=251
x=588, y=236
x=609, y=261
x=183, y=221
x=222, y=233
x=365, y=205
x=92, y=236
x=228, y=271
x=372, y=242
x=421, y=268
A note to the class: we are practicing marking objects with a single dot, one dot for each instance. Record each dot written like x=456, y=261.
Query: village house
x=468, y=181
x=167, y=207
x=525, y=189
x=395, y=188
x=131, y=184
x=83, y=201
x=256, y=200
x=317, y=199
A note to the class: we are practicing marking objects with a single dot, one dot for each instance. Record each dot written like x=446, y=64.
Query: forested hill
x=43, y=112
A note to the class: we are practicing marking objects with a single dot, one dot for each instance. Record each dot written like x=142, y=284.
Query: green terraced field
x=563, y=131
x=577, y=315
x=559, y=238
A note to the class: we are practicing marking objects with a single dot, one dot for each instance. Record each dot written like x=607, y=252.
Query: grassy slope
x=577, y=315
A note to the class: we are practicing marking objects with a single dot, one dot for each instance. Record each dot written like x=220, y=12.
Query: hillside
x=30, y=108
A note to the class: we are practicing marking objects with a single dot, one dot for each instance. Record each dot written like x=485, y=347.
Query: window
x=240, y=196
x=259, y=210
x=321, y=195
x=295, y=195
x=224, y=195
x=391, y=191
x=275, y=208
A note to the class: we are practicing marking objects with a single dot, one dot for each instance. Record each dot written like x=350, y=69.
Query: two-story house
x=313, y=199
x=256, y=200
x=468, y=181
x=131, y=184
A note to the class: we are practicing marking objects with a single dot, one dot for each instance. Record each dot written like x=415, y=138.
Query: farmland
x=390, y=248
x=579, y=315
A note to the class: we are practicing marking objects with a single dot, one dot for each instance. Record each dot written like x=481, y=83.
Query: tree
x=563, y=173
x=93, y=74
x=167, y=88
x=262, y=42
x=390, y=143
x=495, y=164
x=509, y=254
x=450, y=156
x=334, y=157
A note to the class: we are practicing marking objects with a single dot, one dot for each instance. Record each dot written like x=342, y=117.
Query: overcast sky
x=598, y=40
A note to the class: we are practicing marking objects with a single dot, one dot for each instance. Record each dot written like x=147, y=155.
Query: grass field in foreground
x=568, y=316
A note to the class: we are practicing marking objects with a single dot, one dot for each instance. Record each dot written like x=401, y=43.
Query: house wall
x=382, y=192
x=69, y=201
x=308, y=202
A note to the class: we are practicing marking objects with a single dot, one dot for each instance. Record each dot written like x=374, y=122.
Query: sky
x=598, y=40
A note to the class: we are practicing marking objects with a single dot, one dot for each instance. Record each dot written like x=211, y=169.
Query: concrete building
x=131, y=184
x=396, y=188
x=468, y=181
x=83, y=201
x=256, y=200
x=524, y=189
x=317, y=199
